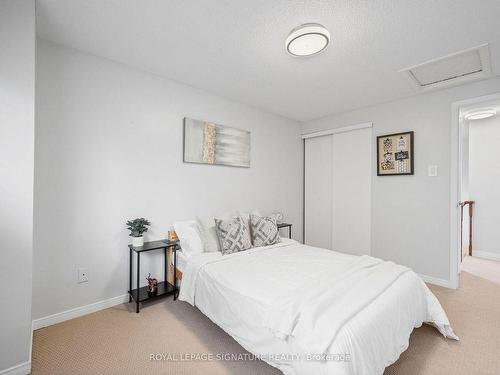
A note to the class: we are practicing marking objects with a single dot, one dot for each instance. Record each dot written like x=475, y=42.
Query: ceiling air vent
x=458, y=68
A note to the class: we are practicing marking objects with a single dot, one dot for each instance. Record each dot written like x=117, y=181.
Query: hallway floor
x=484, y=268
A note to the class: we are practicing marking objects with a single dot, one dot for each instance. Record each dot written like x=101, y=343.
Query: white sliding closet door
x=318, y=192
x=351, y=192
x=337, y=191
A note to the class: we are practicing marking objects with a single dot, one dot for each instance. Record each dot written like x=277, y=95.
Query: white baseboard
x=437, y=281
x=20, y=369
x=485, y=255
x=79, y=311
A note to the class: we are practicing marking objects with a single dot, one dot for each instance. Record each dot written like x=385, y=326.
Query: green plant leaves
x=137, y=226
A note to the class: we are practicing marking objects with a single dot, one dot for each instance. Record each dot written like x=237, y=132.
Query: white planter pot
x=137, y=241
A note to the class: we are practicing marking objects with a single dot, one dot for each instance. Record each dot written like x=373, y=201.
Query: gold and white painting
x=209, y=143
x=395, y=154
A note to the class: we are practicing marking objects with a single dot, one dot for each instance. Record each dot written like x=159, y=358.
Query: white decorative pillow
x=233, y=235
x=189, y=237
x=246, y=218
x=208, y=234
x=264, y=230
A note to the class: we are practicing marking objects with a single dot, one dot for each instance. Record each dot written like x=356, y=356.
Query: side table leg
x=165, y=255
x=175, y=273
x=138, y=276
x=130, y=277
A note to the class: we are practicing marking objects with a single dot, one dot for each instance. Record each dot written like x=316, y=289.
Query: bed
x=309, y=310
x=181, y=260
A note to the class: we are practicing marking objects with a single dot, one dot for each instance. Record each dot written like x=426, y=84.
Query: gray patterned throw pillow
x=264, y=230
x=233, y=235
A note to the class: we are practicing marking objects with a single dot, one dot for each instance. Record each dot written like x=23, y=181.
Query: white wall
x=464, y=139
x=17, y=100
x=109, y=148
x=411, y=214
x=464, y=180
x=484, y=184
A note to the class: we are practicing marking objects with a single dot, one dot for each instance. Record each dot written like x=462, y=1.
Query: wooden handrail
x=462, y=205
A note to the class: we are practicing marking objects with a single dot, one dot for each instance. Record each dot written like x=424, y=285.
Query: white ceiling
x=235, y=48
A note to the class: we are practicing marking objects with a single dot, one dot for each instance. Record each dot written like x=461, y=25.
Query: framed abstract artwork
x=209, y=143
x=395, y=154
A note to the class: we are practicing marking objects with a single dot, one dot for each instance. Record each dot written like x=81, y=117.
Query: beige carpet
x=118, y=341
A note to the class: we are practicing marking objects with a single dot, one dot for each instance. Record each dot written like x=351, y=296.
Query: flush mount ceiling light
x=479, y=114
x=307, y=39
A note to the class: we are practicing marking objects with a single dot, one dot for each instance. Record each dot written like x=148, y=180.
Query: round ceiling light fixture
x=307, y=39
x=479, y=114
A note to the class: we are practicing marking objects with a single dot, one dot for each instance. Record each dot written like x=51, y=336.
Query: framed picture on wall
x=209, y=143
x=395, y=154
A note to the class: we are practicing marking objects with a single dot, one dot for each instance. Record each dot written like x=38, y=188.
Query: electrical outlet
x=83, y=275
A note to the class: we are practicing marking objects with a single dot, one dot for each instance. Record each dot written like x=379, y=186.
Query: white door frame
x=456, y=181
x=343, y=129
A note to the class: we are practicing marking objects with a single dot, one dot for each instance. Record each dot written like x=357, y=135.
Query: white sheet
x=239, y=291
x=182, y=260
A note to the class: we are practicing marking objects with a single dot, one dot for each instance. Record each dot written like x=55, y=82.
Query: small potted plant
x=137, y=227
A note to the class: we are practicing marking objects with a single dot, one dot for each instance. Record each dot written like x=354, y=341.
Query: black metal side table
x=164, y=288
x=286, y=225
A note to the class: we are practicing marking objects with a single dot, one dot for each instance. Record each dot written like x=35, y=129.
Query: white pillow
x=208, y=234
x=189, y=237
x=246, y=218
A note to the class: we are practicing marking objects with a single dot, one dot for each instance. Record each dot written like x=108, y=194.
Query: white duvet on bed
x=329, y=312
x=182, y=260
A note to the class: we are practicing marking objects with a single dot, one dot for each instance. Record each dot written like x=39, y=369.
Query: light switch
x=433, y=170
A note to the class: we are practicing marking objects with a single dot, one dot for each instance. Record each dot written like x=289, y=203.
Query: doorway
x=478, y=175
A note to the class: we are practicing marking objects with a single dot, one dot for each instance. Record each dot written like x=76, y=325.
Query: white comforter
x=307, y=310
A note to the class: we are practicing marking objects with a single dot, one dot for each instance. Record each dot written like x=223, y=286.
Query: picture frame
x=209, y=143
x=395, y=154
